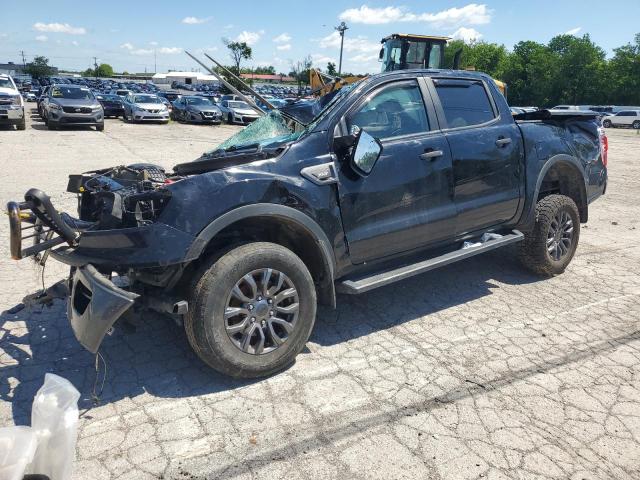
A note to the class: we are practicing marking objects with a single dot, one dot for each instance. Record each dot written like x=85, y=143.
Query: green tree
x=529, y=72
x=39, y=68
x=579, y=70
x=623, y=76
x=331, y=69
x=300, y=71
x=104, y=70
x=238, y=51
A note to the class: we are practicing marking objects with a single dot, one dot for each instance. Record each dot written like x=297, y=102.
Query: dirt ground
x=477, y=370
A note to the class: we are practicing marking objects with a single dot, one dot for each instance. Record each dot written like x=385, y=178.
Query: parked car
x=242, y=243
x=170, y=95
x=195, y=109
x=112, y=105
x=72, y=105
x=41, y=97
x=29, y=97
x=167, y=104
x=11, y=104
x=237, y=111
x=121, y=92
x=624, y=118
x=144, y=107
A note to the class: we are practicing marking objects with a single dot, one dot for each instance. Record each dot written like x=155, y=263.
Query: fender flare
x=529, y=216
x=271, y=210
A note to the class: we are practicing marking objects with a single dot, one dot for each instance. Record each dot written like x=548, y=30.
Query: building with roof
x=188, y=78
x=267, y=78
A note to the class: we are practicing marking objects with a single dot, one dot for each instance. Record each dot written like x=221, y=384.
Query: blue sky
x=125, y=34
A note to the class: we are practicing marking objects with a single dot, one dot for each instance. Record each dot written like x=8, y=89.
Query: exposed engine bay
x=120, y=197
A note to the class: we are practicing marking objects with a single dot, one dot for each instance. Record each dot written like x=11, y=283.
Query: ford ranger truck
x=11, y=104
x=395, y=175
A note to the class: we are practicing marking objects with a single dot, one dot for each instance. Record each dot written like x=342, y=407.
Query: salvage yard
x=475, y=370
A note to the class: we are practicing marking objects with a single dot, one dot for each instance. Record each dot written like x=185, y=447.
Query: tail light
x=604, y=147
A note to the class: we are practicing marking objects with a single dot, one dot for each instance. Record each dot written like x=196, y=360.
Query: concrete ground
x=477, y=370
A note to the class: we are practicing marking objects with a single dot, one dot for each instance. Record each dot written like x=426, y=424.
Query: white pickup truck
x=11, y=104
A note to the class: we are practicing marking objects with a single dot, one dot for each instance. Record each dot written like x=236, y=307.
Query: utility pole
x=24, y=64
x=341, y=29
x=95, y=64
x=155, y=63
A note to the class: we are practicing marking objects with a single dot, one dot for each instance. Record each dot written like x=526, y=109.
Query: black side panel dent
x=94, y=306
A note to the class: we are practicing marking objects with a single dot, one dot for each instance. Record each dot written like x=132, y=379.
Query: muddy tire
x=550, y=246
x=251, y=310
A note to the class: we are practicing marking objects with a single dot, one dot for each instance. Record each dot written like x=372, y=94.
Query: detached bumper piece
x=95, y=305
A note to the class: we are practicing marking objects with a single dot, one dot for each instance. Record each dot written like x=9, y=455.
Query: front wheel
x=550, y=246
x=606, y=124
x=636, y=125
x=252, y=310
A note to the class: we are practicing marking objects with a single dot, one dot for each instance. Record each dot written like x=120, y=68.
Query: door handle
x=431, y=155
x=503, y=142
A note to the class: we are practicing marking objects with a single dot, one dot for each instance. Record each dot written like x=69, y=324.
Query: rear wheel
x=22, y=125
x=636, y=124
x=606, y=123
x=550, y=246
x=252, y=310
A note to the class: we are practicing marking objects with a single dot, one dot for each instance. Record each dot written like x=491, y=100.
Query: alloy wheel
x=560, y=235
x=261, y=311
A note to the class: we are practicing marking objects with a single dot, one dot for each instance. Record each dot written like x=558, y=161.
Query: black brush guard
x=37, y=218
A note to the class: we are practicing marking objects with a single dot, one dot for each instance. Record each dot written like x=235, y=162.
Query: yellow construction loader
x=400, y=51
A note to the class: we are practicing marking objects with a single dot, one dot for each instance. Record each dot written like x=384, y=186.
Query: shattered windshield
x=275, y=128
x=270, y=128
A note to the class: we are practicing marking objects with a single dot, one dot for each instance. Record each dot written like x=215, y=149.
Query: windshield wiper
x=246, y=146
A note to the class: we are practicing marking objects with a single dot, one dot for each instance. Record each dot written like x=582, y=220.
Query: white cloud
x=351, y=44
x=468, y=35
x=282, y=38
x=59, y=28
x=4, y=35
x=74, y=43
x=364, y=58
x=286, y=46
x=41, y=38
x=320, y=58
x=573, y=31
x=170, y=50
x=228, y=26
x=471, y=14
x=249, y=37
x=148, y=51
x=153, y=44
x=195, y=20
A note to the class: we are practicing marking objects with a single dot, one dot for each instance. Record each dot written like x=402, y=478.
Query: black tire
x=100, y=127
x=537, y=251
x=52, y=125
x=606, y=123
x=230, y=119
x=22, y=125
x=636, y=125
x=211, y=295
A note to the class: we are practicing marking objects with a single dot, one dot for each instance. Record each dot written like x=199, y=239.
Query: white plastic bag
x=17, y=446
x=54, y=420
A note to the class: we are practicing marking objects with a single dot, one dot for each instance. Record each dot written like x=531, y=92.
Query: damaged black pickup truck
x=393, y=176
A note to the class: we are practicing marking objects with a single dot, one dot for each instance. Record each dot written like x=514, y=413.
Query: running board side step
x=365, y=284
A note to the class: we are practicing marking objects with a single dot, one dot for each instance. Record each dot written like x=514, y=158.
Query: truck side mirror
x=365, y=154
x=381, y=54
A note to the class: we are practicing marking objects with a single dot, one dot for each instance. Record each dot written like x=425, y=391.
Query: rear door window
x=465, y=102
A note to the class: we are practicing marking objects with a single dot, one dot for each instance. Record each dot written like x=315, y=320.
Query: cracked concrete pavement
x=477, y=370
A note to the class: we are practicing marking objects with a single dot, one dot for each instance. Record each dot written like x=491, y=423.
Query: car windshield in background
x=146, y=99
x=5, y=83
x=269, y=129
x=71, y=92
x=198, y=101
x=111, y=97
x=239, y=105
